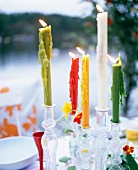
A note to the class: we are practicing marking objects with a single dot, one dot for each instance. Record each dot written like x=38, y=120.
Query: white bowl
x=17, y=152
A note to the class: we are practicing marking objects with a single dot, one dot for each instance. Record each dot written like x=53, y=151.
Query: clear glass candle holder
x=49, y=139
x=85, y=149
x=115, y=147
x=101, y=142
x=74, y=141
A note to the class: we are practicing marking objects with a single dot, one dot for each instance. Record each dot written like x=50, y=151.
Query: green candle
x=44, y=57
x=118, y=90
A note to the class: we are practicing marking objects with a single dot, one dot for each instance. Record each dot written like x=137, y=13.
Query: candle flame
x=100, y=9
x=111, y=59
x=80, y=50
x=118, y=58
x=72, y=54
x=43, y=23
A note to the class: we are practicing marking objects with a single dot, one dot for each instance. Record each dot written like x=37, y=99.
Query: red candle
x=73, y=82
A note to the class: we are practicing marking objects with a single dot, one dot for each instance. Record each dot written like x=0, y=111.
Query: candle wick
x=117, y=61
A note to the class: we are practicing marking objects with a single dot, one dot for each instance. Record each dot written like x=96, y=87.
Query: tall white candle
x=102, y=59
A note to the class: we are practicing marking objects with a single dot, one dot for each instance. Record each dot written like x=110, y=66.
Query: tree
x=123, y=35
x=125, y=28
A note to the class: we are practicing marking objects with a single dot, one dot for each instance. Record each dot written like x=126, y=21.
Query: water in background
x=20, y=60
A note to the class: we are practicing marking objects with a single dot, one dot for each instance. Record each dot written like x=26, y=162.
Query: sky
x=65, y=7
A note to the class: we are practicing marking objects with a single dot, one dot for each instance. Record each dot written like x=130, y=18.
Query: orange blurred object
x=109, y=1
x=8, y=129
x=19, y=107
x=4, y=90
x=89, y=24
x=110, y=21
x=135, y=35
x=9, y=109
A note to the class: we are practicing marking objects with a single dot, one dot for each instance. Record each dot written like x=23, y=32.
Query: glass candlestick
x=74, y=141
x=101, y=141
x=115, y=147
x=49, y=139
x=85, y=149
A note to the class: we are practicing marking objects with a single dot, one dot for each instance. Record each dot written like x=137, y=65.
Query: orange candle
x=85, y=89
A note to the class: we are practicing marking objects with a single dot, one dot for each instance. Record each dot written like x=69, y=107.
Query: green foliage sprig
x=122, y=86
x=67, y=161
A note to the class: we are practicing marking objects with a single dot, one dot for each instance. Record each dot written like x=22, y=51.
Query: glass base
x=115, y=167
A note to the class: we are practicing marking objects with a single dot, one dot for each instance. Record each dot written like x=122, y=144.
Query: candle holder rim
x=102, y=110
x=113, y=123
x=38, y=134
x=48, y=106
x=102, y=129
x=87, y=127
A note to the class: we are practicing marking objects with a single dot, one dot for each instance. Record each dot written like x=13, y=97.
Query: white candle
x=102, y=59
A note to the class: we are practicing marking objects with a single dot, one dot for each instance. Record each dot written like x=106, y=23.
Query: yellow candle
x=45, y=54
x=85, y=91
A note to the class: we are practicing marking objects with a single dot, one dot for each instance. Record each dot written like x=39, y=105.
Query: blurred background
x=73, y=24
